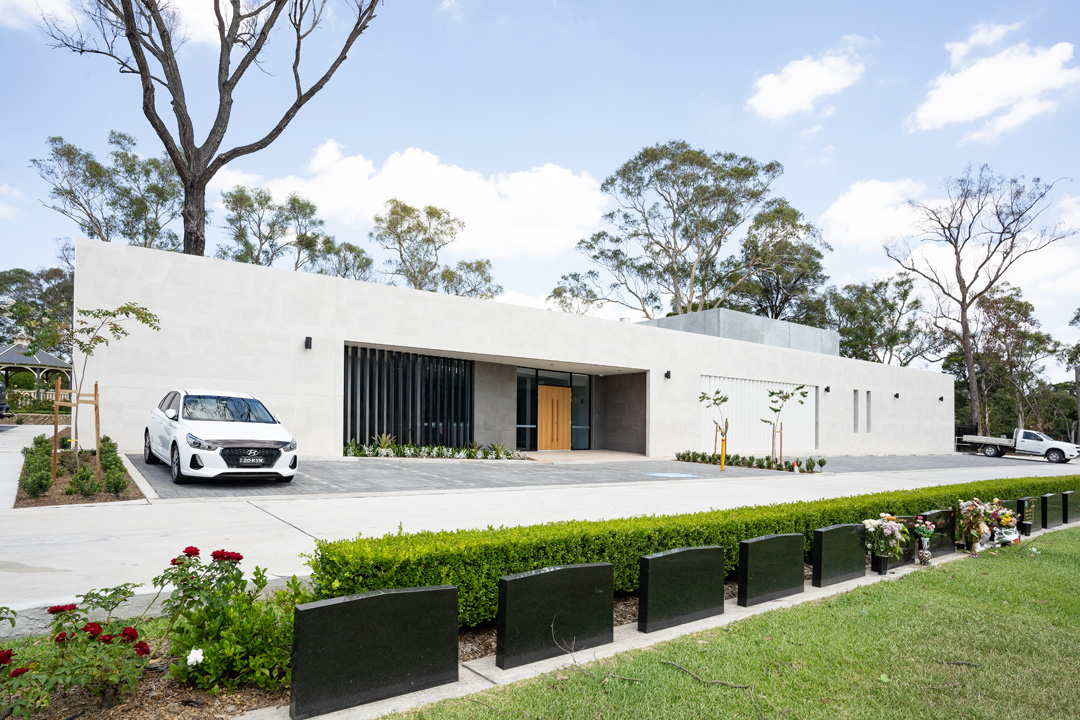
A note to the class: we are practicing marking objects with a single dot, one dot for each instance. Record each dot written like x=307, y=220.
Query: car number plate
x=251, y=460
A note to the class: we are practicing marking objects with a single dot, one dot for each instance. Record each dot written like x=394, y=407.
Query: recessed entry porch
x=532, y=405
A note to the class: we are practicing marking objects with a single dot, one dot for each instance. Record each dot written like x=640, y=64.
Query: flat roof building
x=342, y=360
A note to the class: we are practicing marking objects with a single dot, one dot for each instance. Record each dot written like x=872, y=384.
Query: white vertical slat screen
x=747, y=405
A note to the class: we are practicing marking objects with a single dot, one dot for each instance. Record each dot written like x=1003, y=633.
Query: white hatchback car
x=208, y=434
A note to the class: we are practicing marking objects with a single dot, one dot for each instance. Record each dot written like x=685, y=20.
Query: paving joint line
x=294, y=527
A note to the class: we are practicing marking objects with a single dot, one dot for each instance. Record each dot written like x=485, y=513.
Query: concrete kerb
x=482, y=674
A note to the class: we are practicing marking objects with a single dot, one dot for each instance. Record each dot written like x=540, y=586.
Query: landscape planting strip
x=483, y=673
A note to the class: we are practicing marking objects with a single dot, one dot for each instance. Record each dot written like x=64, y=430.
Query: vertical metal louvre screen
x=419, y=399
x=747, y=405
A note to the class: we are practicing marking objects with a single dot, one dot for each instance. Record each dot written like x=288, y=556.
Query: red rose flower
x=107, y=639
x=92, y=628
x=191, y=551
x=226, y=556
x=129, y=633
x=175, y=561
x=5, y=656
x=18, y=671
x=57, y=609
x=141, y=648
x=62, y=637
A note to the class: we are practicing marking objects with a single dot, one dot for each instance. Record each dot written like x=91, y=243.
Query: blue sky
x=510, y=114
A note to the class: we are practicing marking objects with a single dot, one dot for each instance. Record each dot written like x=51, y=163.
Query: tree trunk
x=195, y=217
x=969, y=363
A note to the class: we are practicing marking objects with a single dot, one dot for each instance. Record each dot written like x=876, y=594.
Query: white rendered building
x=342, y=360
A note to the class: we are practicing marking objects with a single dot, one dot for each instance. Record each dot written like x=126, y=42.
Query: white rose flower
x=194, y=657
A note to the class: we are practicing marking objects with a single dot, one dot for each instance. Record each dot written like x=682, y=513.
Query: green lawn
x=889, y=650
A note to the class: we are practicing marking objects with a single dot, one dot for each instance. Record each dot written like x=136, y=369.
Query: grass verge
x=989, y=638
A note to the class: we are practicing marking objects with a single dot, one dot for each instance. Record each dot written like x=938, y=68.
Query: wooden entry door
x=553, y=418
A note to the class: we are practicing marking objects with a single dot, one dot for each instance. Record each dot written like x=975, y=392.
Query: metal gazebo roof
x=14, y=355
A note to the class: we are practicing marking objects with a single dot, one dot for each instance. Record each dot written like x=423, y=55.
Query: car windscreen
x=223, y=408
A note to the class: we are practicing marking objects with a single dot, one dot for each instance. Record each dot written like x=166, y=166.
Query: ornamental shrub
x=116, y=480
x=473, y=560
x=83, y=482
x=37, y=483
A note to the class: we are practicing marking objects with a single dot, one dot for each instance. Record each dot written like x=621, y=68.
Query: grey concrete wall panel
x=735, y=325
x=495, y=417
x=770, y=567
x=621, y=404
x=839, y=554
x=1051, y=507
x=739, y=326
x=944, y=539
x=552, y=611
x=680, y=586
x=357, y=649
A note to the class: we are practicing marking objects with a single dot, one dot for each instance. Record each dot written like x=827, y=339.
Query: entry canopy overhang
x=520, y=361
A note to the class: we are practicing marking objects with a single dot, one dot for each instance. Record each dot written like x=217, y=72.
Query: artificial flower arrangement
x=885, y=536
x=1003, y=522
x=977, y=520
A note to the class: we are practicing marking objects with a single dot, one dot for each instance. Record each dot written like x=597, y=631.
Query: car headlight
x=290, y=447
x=200, y=444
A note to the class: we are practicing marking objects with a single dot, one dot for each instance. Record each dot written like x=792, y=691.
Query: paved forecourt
x=51, y=554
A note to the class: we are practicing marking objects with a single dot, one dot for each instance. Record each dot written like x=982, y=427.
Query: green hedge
x=473, y=560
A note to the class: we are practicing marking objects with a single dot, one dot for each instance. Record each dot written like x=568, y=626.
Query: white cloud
x=9, y=193
x=982, y=35
x=25, y=14
x=870, y=212
x=807, y=132
x=539, y=212
x=1007, y=89
x=801, y=83
x=453, y=9
x=199, y=22
x=1069, y=215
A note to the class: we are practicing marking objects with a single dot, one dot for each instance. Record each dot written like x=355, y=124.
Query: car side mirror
x=171, y=414
x=277, y=418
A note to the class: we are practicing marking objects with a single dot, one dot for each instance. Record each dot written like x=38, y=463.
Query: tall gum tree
x=985, y=224
x=143, y=37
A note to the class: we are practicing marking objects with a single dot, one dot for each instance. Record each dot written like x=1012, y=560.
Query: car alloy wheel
x=990, y=450
x=177, y=474
x=1055, y=456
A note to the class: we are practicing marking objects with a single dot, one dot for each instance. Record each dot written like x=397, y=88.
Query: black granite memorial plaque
x=943, y=541
x=1051, y=510
x=548, y=612
x=907, y=554
x=1028, y=509
x=770, y=567
x=1068, y=508
x=839, y=554
x=353, y=650
x=680, y=586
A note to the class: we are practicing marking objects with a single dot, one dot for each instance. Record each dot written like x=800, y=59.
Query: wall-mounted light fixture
x=941, y=398
x=667, y=374
x=827, y=388
x=897, y=396
x=307, y=343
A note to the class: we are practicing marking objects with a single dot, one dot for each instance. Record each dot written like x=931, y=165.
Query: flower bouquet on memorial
x=885, y=536
x=923, y=527
x=974, y=515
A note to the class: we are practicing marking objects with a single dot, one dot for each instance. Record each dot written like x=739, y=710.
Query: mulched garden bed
x=56, y=495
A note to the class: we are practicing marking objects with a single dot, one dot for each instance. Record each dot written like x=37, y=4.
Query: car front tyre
x=1055, y=456
x=148, y=455
x=177, y=473
x=990, y=450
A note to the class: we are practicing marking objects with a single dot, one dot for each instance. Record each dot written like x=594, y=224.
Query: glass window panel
x=551, y=377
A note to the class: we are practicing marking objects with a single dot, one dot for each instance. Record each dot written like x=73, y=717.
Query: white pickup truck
x=1025, y=442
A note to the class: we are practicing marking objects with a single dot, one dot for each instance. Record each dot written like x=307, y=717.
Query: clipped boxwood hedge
x=473, y=560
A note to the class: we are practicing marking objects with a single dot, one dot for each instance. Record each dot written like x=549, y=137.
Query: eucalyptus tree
x=144, y=38
x=677, y=208
x=966, y=244
x=882, y=321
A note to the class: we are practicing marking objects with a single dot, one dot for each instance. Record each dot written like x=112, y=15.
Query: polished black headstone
x=680, y=586
x=353, y=650
x=770, y=567
x=1051, y=510
x=839, y=554
x=1068, y=508
x=943, y=541
x=1029, y=512
x=548, y=612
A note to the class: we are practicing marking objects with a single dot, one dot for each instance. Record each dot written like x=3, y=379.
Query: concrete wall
x=735, y=325
x=228, y=326
x=619, y=413
x=495, y=415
